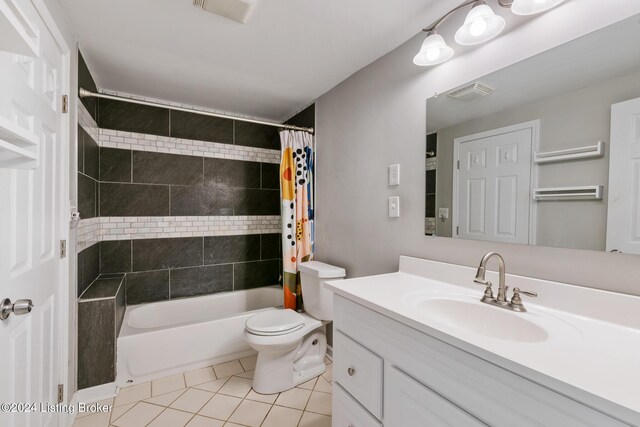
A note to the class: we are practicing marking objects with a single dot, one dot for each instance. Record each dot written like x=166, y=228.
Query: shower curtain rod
x=83, y=93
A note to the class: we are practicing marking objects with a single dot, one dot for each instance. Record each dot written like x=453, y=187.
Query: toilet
x=291, y=346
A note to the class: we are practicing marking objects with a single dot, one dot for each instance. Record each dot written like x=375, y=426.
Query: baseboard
x=330, y=353
x=96, y=394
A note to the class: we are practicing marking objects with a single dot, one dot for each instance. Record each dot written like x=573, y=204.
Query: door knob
x=20, y=307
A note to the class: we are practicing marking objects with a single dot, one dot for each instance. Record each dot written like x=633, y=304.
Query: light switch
x=394, y=207
x=394, y=174
x=443, y=214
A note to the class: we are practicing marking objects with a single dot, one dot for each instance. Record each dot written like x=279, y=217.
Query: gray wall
x=377, y=118
x=568, y=120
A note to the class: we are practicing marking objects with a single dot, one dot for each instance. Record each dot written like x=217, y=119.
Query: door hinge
x=457, y=230
x=65, y=103
x=63, y=248
x=458, y=165
x=60, y=393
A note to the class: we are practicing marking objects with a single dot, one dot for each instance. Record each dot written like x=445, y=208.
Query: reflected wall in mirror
x=544, y=152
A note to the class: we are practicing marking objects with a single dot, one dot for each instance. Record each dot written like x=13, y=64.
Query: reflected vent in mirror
x=470, y=92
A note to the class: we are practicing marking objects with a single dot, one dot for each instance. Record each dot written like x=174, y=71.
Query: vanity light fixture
x=531, y=7
x=434, y=51
x=480, y=25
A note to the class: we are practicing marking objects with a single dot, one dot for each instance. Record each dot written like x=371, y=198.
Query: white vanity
x=418, y=348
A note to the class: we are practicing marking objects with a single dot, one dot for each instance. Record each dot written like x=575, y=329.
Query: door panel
x=31, y=209
x=494, y=181
x=623, y=215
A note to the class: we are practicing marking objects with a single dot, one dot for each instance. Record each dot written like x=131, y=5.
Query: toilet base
x=277, y=371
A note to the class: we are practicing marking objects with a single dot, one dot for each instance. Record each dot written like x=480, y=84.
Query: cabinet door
x=410, y=404
x=348, y=413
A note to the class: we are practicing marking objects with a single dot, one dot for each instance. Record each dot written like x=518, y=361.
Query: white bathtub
x=168, y=337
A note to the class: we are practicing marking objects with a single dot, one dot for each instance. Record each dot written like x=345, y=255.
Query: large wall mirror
x=543, y=152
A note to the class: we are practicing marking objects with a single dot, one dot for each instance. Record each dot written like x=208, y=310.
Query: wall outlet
x=394, y=174
x=443, y=214
x=394, y=207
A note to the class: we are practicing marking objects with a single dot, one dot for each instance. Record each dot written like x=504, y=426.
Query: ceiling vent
x=473, y=91
x=237, y=10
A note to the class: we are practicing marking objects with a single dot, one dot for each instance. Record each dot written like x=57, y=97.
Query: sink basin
x=481, y=319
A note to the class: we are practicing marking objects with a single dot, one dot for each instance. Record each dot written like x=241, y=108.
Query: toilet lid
x=274, y=322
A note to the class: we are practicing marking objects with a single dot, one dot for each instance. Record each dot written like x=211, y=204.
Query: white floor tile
x=200, y=421
x=323, y=385
x=118, y=411
x=250, y=413
x=199, y=376
x=167, y=398
x=279, y=416
x=133, y=394
x=310, y=419
x=309, y=384
x=238, y=387
x=171, y=418
x=232, y=425
x=265, y=398
x=249, y=363
x=212, y=386
x=95, y=420
x=139, y=415
x=319, y=403
x=248, y=374
x=167, y=384
x=192, y=400
x=295, y=398
x=228, y=368
x=220, y=407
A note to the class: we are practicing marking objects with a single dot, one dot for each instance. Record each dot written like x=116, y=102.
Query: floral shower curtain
x=296, y=192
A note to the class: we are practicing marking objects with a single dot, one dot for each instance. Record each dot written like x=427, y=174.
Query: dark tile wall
x=86, y=81
x=140, y=183
x=100, y=314
x=162, y=269
x=125, y=116
x=88, y=174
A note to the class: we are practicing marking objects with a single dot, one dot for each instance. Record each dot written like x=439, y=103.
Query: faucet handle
x=488, y=291
x=516, y=300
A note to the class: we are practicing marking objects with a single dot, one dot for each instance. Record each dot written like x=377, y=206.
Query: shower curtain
x=296, y=192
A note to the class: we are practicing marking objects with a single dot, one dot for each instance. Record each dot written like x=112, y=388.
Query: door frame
x=64, y=286
x=534, y=125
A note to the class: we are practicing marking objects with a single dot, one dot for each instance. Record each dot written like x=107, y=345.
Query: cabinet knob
x=351, y=371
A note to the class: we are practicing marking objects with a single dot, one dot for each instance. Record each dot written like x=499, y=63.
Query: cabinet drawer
x=349, y=413
x=359, y=372
x=411, y=404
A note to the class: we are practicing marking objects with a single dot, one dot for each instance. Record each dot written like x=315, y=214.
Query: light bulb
x=478, y=27
x=432, y=54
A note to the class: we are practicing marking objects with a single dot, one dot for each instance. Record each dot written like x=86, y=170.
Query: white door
x=31, y=226
x=623, y=216
x=492, y=192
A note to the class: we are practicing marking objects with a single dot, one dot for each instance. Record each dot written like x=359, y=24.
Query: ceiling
x=597, y=57
x=290, y=52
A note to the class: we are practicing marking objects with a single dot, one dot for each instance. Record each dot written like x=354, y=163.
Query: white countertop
x=592, y=353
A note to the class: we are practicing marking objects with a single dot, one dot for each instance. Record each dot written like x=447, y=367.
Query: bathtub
x=169, y=337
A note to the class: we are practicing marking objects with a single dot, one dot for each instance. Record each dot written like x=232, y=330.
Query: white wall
x=377, y=118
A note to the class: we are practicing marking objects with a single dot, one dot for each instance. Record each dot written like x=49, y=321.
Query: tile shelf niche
x=17, y=35
x=578, y=153
x=18, y=147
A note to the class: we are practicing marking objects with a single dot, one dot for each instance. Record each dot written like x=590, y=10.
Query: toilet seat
x=274, y=322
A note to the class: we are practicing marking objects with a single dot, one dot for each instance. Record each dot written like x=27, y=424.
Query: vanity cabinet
x=388, y=373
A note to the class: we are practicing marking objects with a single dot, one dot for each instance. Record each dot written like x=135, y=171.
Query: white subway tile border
x=95, y=230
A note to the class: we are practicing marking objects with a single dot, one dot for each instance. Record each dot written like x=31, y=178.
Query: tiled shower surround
x=173, y=205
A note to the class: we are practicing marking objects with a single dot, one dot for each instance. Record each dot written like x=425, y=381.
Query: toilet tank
x=318, y=301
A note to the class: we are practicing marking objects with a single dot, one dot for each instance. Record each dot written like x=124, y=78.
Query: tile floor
x=216, y=396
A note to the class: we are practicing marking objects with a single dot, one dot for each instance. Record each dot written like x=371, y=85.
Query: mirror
x=543, y=152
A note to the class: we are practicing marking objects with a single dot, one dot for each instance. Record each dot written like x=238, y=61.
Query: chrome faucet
x=501, y=300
